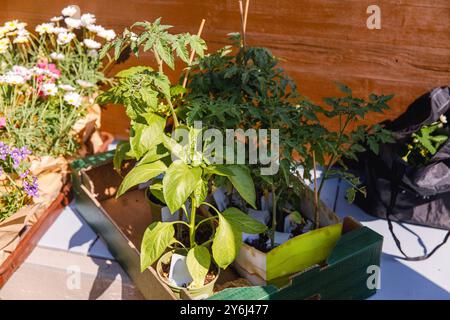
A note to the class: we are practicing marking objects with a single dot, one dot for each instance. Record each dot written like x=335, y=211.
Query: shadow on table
x=108, y=271
x=398, y=281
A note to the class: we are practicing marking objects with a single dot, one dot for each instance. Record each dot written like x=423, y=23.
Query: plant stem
x=192, y=223
x=172, y=110
x=333, y=158
x=316, y=195
x=274, y=217
x=158, y=60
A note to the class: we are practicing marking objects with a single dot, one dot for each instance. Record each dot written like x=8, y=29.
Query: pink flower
x=52, y=72
x=2, y=122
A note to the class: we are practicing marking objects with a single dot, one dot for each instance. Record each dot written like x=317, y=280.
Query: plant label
x=179, y=273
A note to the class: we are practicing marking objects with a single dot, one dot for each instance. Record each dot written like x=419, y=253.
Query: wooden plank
x=319, y=41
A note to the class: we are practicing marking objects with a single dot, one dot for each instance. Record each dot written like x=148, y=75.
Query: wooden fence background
x=320, y=41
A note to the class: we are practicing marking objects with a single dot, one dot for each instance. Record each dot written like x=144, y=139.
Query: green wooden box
x=346, y=274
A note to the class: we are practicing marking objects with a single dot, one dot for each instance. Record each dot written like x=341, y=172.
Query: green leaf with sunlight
x=157, y=237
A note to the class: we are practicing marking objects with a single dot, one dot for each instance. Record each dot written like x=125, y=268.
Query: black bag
x=398, y=191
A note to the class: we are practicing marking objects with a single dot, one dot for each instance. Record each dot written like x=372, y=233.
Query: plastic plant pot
x=195, y=293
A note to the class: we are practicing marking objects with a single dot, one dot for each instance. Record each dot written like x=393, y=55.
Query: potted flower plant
x=48, y=82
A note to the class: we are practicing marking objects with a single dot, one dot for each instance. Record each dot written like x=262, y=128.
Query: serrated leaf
x=132, y=71
x=165, y=53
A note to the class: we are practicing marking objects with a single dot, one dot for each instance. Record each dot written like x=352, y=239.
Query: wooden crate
x=122, y=222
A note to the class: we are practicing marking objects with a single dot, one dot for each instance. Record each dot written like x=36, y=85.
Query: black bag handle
x=398, y=171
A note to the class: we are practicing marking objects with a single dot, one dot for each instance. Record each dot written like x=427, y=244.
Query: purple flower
x=19, y=154
x=24, y=174
x=4, y=151
x=31, y=188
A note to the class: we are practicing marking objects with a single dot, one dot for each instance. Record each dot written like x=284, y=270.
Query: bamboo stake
x=191, y=58
x=244, y=15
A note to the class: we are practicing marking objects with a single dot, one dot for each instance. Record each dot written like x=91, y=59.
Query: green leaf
x=150, y=98
x=153, y=155
x=141, y=174
x=178, y=184
x=117, y=48
x=198, y=45
x=226, y=243
x=156, y=190
x=181, y=50
x=351, y=193
x=123, y=147
x=157, y=237
x=132, y=71
x=176, y=149
x=243, y=183
x=198, y=261
x=165, y=52
x=220, y=170
x=201, y=191
x=146, y=137
x=243, y=221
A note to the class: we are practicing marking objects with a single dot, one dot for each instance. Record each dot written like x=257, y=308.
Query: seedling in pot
x=189, y=177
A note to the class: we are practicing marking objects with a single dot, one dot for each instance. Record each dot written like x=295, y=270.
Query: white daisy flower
x=73, y=23
x=45, y=28
x=69, y=11
x=13, y=79
x=66, y=87
x=57, y=56
x=95, y=28
x=22, y=71
x=92, y=44
x=57, y=19
x=443, y=119
x=58, y=30
x=11, y=25
x=49, y=89
x=73, y=99
x=4, y=45
x=85, y=84
x=87, y=19
x=23, y=36
x=65, y=38
x=107, y=34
